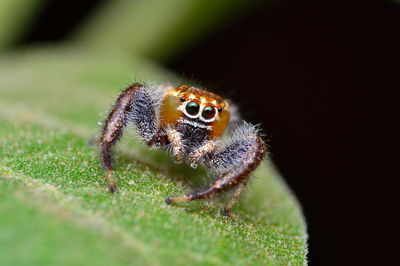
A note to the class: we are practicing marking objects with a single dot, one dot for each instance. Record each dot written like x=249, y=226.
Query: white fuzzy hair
x=157, y=94
x=245, y=130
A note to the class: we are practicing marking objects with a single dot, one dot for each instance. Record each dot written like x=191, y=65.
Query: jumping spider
x=189, y=123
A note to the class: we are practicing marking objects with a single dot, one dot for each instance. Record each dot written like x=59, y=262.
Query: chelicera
x=189, y=123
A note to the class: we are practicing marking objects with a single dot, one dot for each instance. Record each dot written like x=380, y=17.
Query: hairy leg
x=235, y=197
x=241, y=157
x=133, y=105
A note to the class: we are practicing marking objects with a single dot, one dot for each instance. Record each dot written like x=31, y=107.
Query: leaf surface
x=54, y=201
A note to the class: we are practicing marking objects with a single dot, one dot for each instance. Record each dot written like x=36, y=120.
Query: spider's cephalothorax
x=188, y=122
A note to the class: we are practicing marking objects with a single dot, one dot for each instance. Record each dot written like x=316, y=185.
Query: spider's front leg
x=236, y=161
x=134, y=105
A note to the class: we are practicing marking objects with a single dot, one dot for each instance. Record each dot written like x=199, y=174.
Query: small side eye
x=208, y=112
x=192, y=108
x=220, y=110
x=183, y=99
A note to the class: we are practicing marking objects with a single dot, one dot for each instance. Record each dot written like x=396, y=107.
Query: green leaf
x=53, y=199
x=14, y=18
x=157, y=28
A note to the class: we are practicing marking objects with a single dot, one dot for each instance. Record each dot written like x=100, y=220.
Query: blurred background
x=310, y=71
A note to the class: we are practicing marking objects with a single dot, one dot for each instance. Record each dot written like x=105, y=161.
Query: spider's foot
x=227, y=212
x=169, y=200
x=172, y=200
x=112, y=188
x=112, y=185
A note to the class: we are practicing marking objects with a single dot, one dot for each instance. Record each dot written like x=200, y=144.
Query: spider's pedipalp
x=195, y=156
x=176, y=144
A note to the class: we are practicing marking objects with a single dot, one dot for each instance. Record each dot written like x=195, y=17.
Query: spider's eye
x=208, y=112
x=183, y=99
x=192, y=108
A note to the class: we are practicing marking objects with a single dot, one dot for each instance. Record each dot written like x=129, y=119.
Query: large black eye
x=192, y=108
x=208, y=112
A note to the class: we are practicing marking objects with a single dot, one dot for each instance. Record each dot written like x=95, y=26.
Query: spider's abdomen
x=169, y=113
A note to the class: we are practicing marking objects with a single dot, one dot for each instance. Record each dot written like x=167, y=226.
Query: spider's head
x=198, y=106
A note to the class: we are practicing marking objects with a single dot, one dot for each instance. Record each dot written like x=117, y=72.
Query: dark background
x=312, y=73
